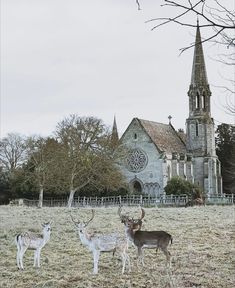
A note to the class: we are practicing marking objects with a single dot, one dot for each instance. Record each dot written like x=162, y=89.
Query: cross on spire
x=169, y=117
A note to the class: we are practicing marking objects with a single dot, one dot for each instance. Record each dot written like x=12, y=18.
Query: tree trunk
x=71, y=195
x=40, y=200
x=72, y=192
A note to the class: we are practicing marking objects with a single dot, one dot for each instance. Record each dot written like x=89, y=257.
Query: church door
x=137, y=188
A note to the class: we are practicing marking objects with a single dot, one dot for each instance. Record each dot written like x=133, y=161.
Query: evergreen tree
x=225, y=149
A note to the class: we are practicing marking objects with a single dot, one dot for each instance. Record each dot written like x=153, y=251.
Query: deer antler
x=75, y=222
x=142, y=214
x=123, y=218
x=92, y=216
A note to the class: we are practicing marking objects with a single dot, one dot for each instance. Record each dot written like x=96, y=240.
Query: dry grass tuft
x=202, y=250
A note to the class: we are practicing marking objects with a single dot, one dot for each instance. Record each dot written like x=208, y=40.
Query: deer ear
x=45, y=224
x=76, y=223
x=136, y=229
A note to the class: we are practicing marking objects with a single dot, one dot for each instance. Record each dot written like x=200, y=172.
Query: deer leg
x=17, y=260
x=35, y=258
x=18, y=257
x=39, y=256
x=140, y=255
x=168, y=256
x=21, y=255
x=124, y=257
x=129, y=262
x=96, y=255
x=114, y=250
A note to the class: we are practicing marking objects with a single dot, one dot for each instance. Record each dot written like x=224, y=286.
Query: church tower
x=200, y=140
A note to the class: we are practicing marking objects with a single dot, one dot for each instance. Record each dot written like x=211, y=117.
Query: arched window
x=135, y=136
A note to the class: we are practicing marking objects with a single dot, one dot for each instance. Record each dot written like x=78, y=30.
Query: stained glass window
x=136, y=160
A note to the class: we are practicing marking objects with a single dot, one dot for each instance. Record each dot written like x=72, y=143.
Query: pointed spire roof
x=114, y=136
x=199, y=76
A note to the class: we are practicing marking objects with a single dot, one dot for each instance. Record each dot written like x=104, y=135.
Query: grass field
x=202, y=250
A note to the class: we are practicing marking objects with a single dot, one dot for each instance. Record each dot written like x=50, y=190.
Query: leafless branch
x=218, y=17
x=138, y=4
x=205, y=40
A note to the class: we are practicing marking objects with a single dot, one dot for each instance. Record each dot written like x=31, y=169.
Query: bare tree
x=12, y=151
x=85, y=156
x=213, y=16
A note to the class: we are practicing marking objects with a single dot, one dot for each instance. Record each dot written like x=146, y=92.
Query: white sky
x=96, y=58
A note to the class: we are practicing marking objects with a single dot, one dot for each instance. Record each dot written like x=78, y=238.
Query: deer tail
x=17, y=239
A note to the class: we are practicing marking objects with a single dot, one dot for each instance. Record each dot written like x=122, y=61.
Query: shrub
x=179, y=186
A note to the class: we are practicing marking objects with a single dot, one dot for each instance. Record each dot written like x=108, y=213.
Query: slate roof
x=164, y=136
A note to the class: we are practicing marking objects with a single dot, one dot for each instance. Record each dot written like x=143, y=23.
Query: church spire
x=199, y=91
x=199, y=76
x=114, y=136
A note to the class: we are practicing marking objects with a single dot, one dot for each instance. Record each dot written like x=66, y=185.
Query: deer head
x=135, y=224
x=81, y=225
x=46, y=227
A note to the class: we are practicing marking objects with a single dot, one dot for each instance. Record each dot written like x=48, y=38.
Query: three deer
x=32, y=241
x=98, y=243
x=145, y=239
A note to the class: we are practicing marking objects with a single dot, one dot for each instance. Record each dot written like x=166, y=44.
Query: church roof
x=164, y=136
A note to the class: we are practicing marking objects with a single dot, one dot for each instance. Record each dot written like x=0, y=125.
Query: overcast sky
x=96, y=58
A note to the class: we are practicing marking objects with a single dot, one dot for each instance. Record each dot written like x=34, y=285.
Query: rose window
x=136, y=160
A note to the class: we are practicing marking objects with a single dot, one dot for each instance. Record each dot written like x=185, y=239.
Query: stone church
x=157, y=152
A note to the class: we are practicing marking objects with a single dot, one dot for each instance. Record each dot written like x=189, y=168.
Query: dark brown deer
x=146, y=239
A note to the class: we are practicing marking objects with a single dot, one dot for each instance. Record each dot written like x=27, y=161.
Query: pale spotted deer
x=32, y=241
x=98, y=243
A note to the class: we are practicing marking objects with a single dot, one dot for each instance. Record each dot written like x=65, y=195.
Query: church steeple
x=199, y=76
x=199, y=91
x=200, y=138
x=200, y=125
x=114, y=136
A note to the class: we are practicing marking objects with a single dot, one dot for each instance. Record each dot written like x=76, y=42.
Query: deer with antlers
x=98, y=243
x=145, y=239
x=32, y=241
